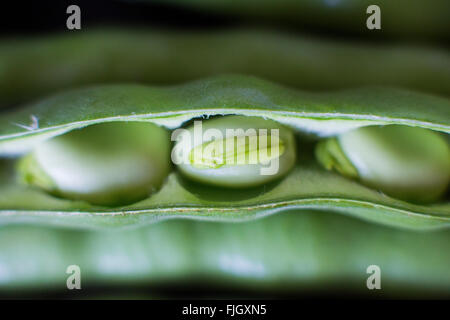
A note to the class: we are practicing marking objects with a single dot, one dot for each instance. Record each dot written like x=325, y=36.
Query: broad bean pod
x=306, y=186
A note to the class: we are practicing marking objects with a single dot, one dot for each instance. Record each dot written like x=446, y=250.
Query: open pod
x=313, y=116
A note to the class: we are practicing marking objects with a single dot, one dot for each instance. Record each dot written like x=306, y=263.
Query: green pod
x=287, y=253
x=32, y=67
x=406, y=162
x=240, y=152
x=306, y=186
x=107, y=164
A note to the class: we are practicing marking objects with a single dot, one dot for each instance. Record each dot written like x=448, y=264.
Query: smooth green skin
x=107, y=164
x=306, y=186
x=399, y=18
x=239, y=175
x=408, y=163
x=30, y=68
x=288, y=252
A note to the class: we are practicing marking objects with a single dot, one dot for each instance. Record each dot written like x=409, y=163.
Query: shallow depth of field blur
x=315, y=45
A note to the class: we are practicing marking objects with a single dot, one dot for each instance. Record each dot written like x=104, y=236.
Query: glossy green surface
x=286, y=252
x=107, y=164
x=32, y=67
x=325, y=113
x=408, y=163
x=235, y=151
x=306, y=186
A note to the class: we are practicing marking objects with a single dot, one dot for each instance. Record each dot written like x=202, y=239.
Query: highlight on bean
x=234, y=151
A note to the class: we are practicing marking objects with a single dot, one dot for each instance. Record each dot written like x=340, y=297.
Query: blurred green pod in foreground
x=108, y=164
x=288, y=253
x=239, y=151
x=406, y=162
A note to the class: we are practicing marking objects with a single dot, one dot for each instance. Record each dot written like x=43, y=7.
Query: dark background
x=34, y=17
x=25, y=18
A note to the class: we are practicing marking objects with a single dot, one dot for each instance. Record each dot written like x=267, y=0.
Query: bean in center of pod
x=234, y=151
